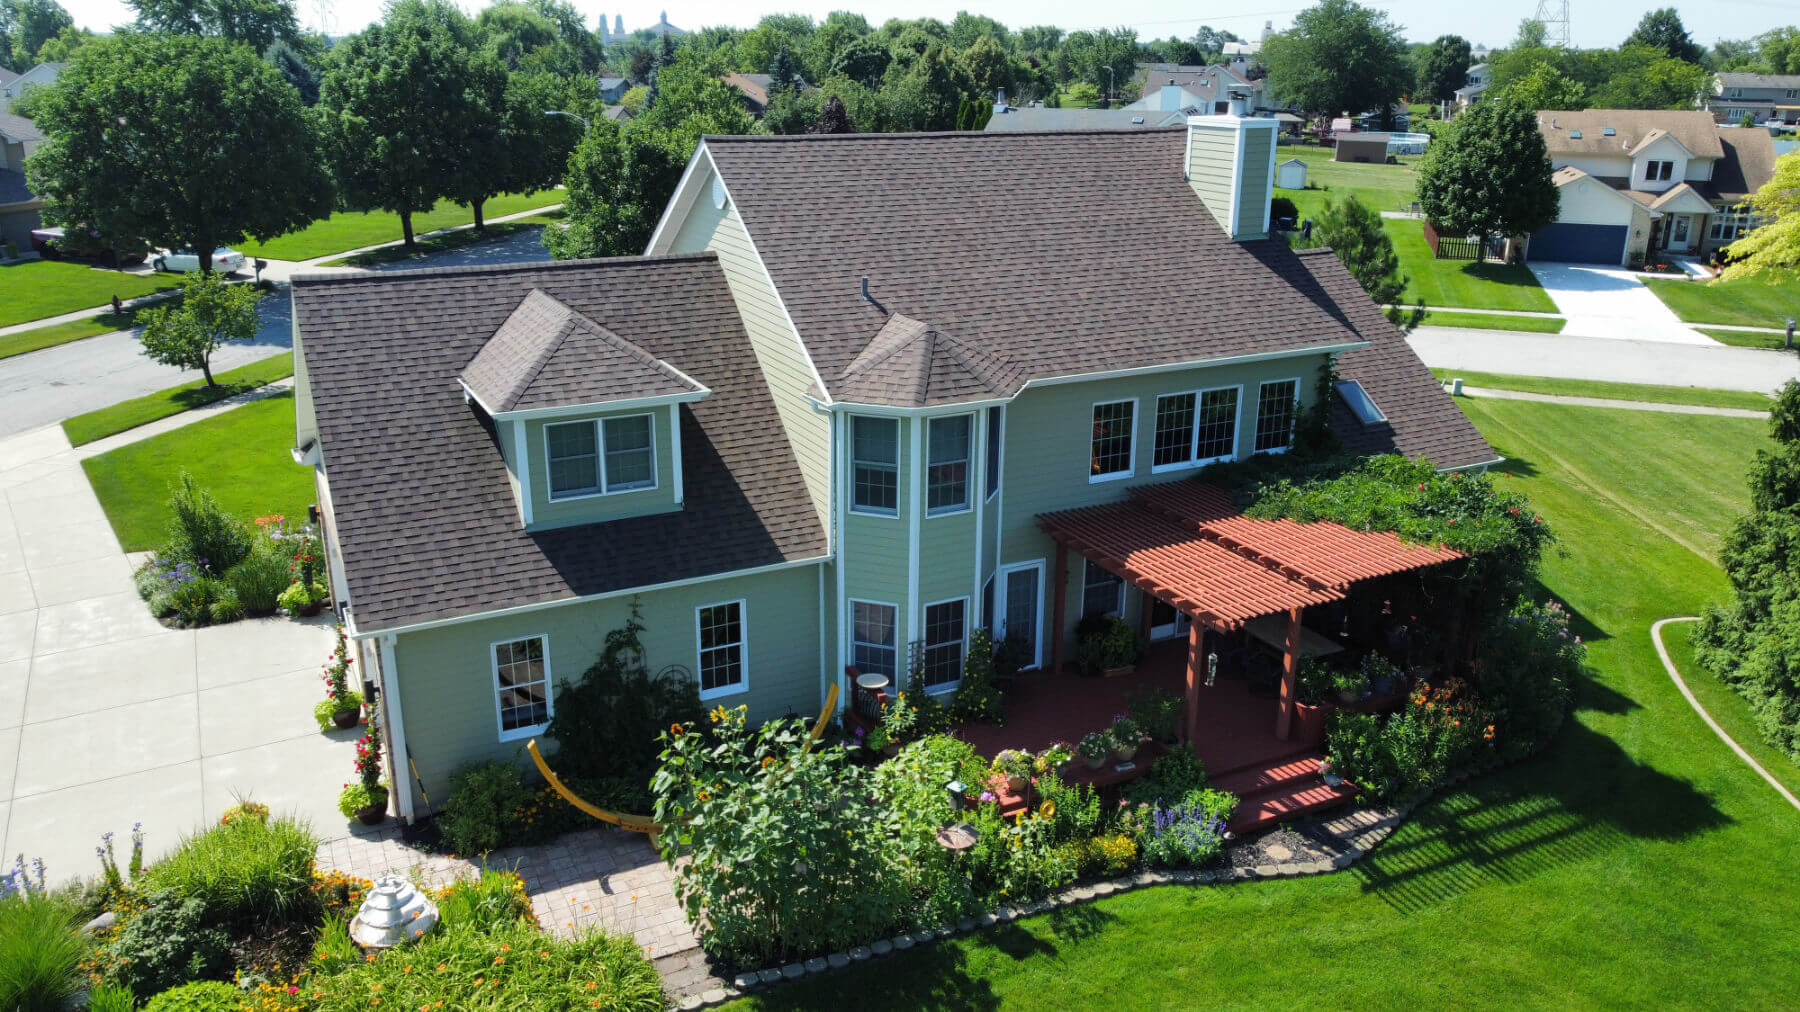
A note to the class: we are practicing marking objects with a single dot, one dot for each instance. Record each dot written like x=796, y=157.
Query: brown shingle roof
x=426, y=518
x=1061, y=253
x=546, y=355
x=1749, y=163
x=1422, y=420
x=911, y=364
x=1693, y=128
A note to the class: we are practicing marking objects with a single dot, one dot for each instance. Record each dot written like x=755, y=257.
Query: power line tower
x=1554, y=16
x=326, y=24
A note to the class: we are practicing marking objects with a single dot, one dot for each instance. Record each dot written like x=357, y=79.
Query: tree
x=784, y=71
x=988, y=66
x=1490, y=175
x=210, y=313
x=864, y=61
x=171, y=138
x=1081, y=96
x=33, y=23
x=1662, y=29
x=1775, y=246
x=618, y=186
x=1445, y=68
x=398, y=110
x=258, y=23
x=924, y=95
x=516, y=34
x=1532, y=35
x=1545, y=88
x=833, y=119
x=296, y=70
x=1642, y=77
x=1353, y=231
x=1340, y=57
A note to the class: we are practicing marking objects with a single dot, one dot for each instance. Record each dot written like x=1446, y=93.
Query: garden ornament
x=394, y=912
x=1212, y=668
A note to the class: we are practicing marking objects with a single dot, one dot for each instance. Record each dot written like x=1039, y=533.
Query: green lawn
x=1636, y=863
x=130, y=414
x=1493, y=321
x=1726, y=706
x=240, y=456
x=1617, y=391
x=1763, y=301
x=63, y=333
x=1745, y=338
x=1382, y=187
x=350, y=230
x=40, y=288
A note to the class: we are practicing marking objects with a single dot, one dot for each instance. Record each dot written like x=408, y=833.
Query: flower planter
x=346, y=718
x=373, y=814
x=1119, y=672
x=1125, y=755
x=1094, y=764
x=1017, y=785
x=1309, y=722
x=311, y=608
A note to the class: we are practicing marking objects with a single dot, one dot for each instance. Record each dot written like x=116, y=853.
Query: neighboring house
x=37, y=77
x=1038, y=118
x=1766, y=97
x=815, y=427
x=616, y=113
x=1168, y=87
x=613, y=89
x=1640, y=182
x=20, y=209
x=1474, y=87
x=754, y=88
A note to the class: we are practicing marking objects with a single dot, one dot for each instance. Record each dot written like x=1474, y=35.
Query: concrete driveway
x=109, y=718
x=1610, y=302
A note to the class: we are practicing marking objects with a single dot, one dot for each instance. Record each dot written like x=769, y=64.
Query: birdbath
x=393, y=912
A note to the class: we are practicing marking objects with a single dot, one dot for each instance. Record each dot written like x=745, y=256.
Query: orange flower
x=675, y=729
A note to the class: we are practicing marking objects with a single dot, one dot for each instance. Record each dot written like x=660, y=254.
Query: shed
x=1361, y=148
x=1291, y=174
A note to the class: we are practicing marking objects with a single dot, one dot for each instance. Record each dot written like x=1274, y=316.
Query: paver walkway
x=110, y=718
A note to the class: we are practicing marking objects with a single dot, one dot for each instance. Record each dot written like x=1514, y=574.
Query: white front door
x=1679, y=225
x=1165, y=622
x=1021, y=607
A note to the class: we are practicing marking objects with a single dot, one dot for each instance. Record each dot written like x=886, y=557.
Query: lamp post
x=1109, y=84
x=1790, y=332
x=583, y=120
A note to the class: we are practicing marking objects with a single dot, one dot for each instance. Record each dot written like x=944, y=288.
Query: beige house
x=1638, y=182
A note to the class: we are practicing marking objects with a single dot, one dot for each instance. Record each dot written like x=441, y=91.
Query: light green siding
x=547, y=513
x=1253, y=196
x=446, y=678
x=1211, y=166
x=876, y=547
x=778, y=349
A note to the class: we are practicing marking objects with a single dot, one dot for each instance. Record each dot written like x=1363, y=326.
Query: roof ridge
x=365, y=277
x=870, y=357
x=549, y=350
x=623, y=344
x=931, y=135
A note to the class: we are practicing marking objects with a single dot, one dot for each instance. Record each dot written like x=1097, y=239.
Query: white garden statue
x=393, y=912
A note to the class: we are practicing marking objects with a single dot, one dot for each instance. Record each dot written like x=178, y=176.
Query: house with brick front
x=824, y=426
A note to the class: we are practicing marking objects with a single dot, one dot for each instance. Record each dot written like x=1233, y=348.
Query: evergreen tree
x=1662, y=29
x=1353, y=231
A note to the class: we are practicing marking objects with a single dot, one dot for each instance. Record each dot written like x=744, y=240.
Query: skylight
x=1574, y=135
x=1609, y=131
x=1360, y=403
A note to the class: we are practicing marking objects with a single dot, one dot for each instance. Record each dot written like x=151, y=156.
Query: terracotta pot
x=346, y=718
x=1017, y=785
x=1309, y=722
x=374, y=814
x=1119, y=672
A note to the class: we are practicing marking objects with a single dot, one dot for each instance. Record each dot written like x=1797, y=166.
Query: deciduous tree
x=1445, y=69
x=173, y=138
x=1662, y=29
x=1544, y=87
x=210, y=313
x=258, y=23
x=1776, y=245
x=618, y=187
x=1490, y=175
x=1340, y=57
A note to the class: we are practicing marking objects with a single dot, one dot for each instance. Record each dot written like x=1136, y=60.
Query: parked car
x=183, y=261
x=55, y=243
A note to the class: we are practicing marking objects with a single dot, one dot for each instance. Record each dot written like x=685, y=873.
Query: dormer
x=589, y=423
x=1658, y=162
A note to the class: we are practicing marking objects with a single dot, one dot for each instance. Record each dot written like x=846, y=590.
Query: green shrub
x=192, y=601
x=976, y=696
x=1190, y=833
x=245, y=872
x=260, y=578
x=40, y=947
x=111, y=999
x=297, y=597
x=171, y=941
x=487, y=903
x=482, y=795
x=910, y=790
x=226, y=607
x=1526, y=670
x=1440, y=731
x=1109, y=855
x=1109, y=643
x=333, y=948
x=1171, y=776
x=200, y=531
x=513, y=966
x=200, y=996
x=1158, y=713
x=1077, y=812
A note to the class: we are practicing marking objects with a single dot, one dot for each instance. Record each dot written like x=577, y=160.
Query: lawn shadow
x=1514, y=466
x=934, y=977
x=1578, y=800
x=1082, y=920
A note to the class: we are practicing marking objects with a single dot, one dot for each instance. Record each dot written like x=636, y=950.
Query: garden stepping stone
x=903, y=942
x=837, y=960
x=746, y=981
x=691, y=1002
x=860, y=953
x=793, y=971
x=770, y=975
x=882, y=947
x=713, y=996
x=816, y=964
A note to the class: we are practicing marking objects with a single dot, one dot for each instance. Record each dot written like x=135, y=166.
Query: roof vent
x=1608, y=131
x=1574, y=135
x=1137, y=120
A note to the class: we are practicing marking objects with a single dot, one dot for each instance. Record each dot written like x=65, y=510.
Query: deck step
x=1274, y=778
x=1220, y=773
x=1303, y=798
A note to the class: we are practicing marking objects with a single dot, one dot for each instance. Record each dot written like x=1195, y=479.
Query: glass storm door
x=1023, y=607
x=1165, y=622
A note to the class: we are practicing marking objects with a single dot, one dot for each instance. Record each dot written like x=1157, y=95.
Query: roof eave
x=589, y=407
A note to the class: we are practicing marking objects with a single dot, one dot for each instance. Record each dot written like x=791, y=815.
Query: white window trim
x=850, y=462
x=1037, y=638
x=999, y=461
x=1131, y=444
x=742, y=685
x=968, y=502
x=1193, y=461
x=1118, y=608
x=549, y=689
x=925, y=645
x=600, y=458
x=850, y=632
x=1295, y=380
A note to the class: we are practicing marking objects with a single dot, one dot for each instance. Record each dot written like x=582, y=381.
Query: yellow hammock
x=644, y=823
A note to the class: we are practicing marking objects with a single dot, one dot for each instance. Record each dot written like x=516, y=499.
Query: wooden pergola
x=1187, y=544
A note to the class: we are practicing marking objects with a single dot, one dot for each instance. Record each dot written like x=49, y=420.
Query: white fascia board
x=682, y=198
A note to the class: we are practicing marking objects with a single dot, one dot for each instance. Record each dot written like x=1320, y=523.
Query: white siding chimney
x=1231, y=165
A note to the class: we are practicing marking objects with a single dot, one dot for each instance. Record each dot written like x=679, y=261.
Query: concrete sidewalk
x=1663, y=363
x=112, y=718
x=1613, y=402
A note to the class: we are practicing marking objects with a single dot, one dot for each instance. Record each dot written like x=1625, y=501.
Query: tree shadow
x=1514, y=466
x=1083, y=920
x=1580, y=799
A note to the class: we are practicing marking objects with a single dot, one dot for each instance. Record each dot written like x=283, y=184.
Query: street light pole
x=583, y=120
x=1109, y=84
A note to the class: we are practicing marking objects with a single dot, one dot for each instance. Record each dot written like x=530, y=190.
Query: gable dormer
x=589, y=423
x=1659, y=162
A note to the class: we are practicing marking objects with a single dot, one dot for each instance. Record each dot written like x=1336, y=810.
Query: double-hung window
x=947, y=465
x=721, y=638
x=1215, y=436
x=946, y=630
x=1174, y=430
x=1102, y=592
x=1659, y=171
x=996, y=425
x=602, y=456
x=875, y=465
x=1195, y=428
x=1109, y=448
x=521, y=686
x=873, y=648
x=1275, y=414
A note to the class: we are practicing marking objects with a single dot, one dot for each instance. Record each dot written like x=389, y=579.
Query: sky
x=1593, y=23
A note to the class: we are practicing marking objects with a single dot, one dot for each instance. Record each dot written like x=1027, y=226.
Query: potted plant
x=1315, y=692
x=1094, y=748
x=1125, y=737
x=1158, y=714
x=1016, y=766
x=341, y=707
x=899, y=719
x=1054, y=759
x=306, y=595
x=1349, y=685
x=366, y=797
x=1109, y=646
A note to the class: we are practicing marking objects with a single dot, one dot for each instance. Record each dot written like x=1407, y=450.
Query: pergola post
x=1290, y=676
x=1059, y=593
x=1196, y=660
